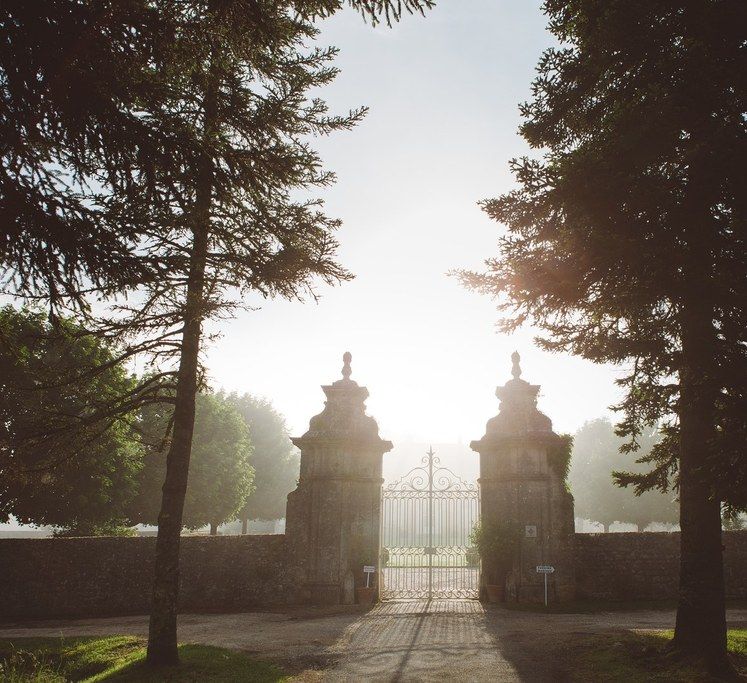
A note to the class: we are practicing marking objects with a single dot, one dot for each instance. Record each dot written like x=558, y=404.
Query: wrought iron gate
x=427, y=518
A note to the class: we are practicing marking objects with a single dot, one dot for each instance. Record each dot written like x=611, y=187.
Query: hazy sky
x=443, y=94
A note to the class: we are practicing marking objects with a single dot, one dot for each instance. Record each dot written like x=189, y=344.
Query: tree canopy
x=221, y=474
x=57, y=467
x=75, y=77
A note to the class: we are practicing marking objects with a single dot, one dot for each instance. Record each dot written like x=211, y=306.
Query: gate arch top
x=439, y=479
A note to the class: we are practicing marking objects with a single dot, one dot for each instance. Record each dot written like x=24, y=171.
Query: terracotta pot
x=496, y=592
x=365, y=596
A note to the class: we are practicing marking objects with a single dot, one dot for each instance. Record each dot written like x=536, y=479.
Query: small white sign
x=545, y=569
x=369, y=569
x=530, y=531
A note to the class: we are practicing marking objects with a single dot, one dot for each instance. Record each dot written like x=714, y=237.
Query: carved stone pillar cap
x=518, y=415
x=344, y=416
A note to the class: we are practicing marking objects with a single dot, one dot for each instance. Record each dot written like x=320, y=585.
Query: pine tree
x=204, y=207
x=626, y=244
x=74, y=78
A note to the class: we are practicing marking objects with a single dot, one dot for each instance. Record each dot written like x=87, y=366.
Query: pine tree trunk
x=244, y=525
x=700, y=627
x=701, y=616
x=162, y=646
x=162, y=638
x=213, y=529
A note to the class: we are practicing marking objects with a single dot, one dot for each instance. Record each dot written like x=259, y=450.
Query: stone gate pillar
x=333, y=516
x=521, y=481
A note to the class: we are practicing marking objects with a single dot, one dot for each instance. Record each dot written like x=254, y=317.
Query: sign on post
x=368, y=569
x=545, y=569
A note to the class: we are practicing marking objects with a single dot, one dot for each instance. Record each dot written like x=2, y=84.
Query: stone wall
x=87, y=577
x=645, y=566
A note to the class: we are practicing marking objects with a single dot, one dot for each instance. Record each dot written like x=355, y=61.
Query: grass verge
x=122, y=659
x=595, y=606
x=641, y=657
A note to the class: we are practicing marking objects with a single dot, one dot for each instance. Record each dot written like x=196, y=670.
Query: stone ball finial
x=516, y=368
x=346, y=358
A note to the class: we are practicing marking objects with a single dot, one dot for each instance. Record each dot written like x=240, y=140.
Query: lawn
x=642, y=657
x=596, y=606
x=122, y=659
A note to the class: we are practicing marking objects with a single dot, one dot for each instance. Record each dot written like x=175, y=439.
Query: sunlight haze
x=407, y=193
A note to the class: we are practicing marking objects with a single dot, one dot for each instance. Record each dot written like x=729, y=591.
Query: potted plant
x=497, y=543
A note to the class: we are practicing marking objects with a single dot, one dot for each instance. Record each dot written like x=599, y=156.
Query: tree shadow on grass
x=122, y=659
x=198, y=663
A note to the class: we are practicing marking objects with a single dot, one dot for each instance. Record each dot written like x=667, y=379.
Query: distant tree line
x=109, y=476
x=596, y=455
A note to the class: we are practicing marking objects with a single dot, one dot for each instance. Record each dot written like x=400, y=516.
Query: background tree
x=626, y=244
x=56, y=467
x=220, y=477
x=596, y=455
x=275, y=460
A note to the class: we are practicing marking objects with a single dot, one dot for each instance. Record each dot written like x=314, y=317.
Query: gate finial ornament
x=346, y=358
x=516, y=369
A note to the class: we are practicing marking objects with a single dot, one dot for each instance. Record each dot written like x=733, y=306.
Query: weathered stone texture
x=334, y=515
x=645, y=566
x=87, y=577
x=519, y=484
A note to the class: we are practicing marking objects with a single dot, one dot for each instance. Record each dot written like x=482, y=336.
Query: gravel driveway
x=412, y=640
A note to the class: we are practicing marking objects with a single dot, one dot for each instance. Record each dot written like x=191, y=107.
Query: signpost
x=368, y=570
x=545, y=569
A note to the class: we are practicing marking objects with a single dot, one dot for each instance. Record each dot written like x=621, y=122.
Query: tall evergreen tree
x=626, y=244
x=240, y=73
x=205, y=202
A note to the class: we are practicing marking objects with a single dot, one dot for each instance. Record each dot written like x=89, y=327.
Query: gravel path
x=412, y=640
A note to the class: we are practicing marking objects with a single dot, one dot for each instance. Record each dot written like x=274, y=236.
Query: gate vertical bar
x=430, y=522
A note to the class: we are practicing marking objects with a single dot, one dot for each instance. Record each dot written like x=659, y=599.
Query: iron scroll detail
x=439, y=479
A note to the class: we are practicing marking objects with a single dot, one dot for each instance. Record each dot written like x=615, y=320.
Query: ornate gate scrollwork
x=427, y=518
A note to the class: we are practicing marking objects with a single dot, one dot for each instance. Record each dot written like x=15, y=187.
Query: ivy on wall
x=559, y=457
